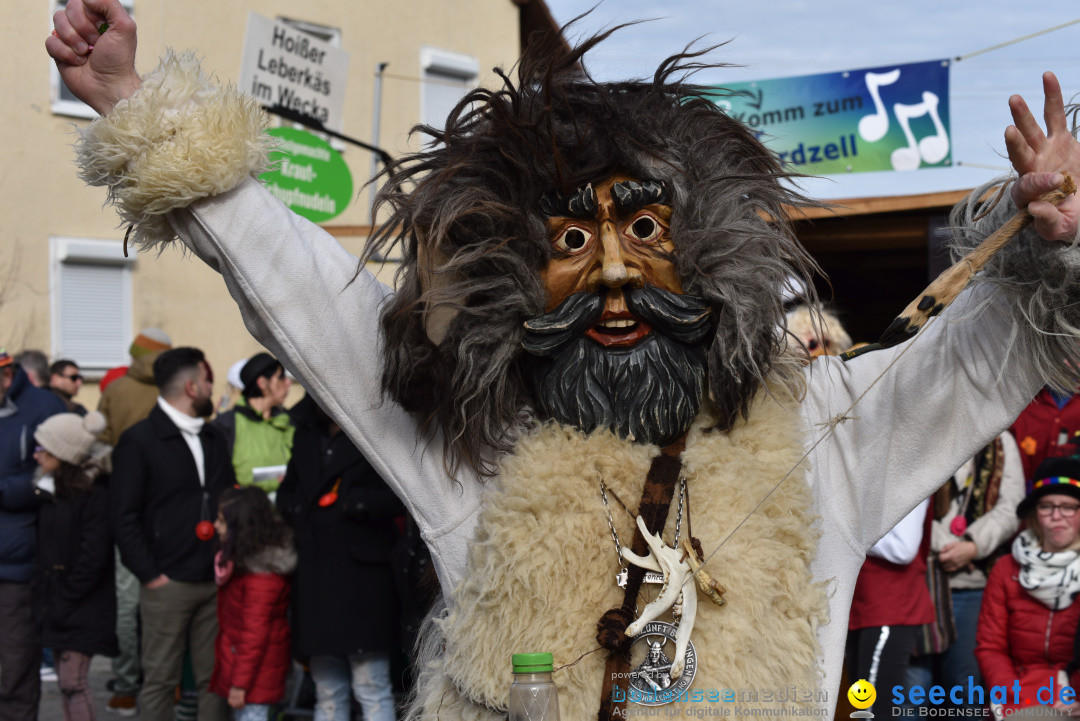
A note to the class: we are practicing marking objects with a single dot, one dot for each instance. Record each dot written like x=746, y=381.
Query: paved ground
x=51, y=708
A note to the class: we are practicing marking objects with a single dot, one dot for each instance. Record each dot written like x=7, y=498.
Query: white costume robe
x=921, y=414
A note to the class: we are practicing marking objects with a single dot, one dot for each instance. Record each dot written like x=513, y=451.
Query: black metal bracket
x=316, y=125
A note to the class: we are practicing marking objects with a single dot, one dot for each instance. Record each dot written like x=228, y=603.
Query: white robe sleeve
x=178, y=159
x=887, y=428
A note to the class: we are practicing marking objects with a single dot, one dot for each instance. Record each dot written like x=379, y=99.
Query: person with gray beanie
x=75, y=552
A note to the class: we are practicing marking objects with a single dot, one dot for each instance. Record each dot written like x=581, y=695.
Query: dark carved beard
x=649, y=392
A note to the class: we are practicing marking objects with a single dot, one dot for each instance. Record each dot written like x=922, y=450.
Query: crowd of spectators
x=975, y=588
x=220, y=563
x=212, y=558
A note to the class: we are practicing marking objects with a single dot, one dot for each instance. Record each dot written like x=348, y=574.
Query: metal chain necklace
x=659, y=679
x=653, y=577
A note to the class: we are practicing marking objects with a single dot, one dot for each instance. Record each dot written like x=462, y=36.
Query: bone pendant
x=672, y=563
x=705, y=582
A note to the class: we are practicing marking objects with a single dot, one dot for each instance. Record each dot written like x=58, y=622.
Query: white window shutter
x=90, y=299
x=93, y=315
x=441, y=93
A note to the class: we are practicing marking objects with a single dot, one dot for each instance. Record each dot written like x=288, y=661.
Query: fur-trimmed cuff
x=1039, y=280
x=179, y=138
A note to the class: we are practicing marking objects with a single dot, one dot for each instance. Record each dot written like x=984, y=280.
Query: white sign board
x=285, y=66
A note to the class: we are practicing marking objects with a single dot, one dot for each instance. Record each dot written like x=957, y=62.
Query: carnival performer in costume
x=585, y=322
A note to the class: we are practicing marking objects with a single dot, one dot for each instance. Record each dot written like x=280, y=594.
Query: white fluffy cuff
x=180, y=138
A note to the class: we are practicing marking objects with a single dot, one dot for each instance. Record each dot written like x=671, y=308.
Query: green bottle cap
x=532, y=662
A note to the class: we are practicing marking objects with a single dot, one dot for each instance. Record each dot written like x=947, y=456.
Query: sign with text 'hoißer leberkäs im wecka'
x=288, y=67
x=308, y=175
x=894, y=117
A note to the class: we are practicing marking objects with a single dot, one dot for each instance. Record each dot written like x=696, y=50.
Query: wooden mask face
x=609, y=236
x=619, y=345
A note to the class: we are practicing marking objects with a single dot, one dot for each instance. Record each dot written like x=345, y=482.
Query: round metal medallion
x=650, y=681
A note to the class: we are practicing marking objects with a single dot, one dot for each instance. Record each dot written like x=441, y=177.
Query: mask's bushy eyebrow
x=631, y=196
x=580, y=204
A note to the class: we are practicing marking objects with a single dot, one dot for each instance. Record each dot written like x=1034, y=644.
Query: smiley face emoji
x=862, y=694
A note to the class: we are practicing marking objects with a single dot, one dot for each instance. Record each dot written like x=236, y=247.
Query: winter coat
x=1020, y=638
x=129, y=399
x=344, y=598
x=1045, y=431
x=252, y=647
x=158, y=502
x=76, y=566
x=69, y=402
x=21, y=411
x=254, y=441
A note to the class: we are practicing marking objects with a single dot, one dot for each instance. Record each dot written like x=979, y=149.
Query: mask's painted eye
x=573, y=239
x=645, y=228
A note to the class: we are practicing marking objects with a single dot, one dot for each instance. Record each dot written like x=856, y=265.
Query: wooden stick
x=947, y=286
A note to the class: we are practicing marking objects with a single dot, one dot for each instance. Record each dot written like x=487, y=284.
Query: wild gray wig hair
x=1038, y=279
x=466, y=214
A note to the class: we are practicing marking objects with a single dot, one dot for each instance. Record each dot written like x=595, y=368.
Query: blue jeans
x=369, y=675
x=959, y=659
x=252, y=712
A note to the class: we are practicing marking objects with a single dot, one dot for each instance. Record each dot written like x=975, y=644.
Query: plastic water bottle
x=533, y=696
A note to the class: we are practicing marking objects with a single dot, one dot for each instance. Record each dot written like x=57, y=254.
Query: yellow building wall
x=41, y=197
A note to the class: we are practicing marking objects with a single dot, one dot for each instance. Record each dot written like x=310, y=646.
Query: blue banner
x=894, y=117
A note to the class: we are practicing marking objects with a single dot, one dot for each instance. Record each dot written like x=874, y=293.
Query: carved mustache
x=685, y=318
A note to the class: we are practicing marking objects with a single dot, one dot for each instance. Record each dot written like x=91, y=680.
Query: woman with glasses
x=1029, y=615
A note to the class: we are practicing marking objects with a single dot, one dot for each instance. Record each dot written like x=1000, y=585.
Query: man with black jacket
x=168, y=471
x=22, y=408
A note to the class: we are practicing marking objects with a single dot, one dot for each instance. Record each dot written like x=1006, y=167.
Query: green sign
x=308, y=175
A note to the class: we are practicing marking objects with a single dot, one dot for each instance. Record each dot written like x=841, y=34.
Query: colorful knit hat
x=5, y=359
x=69, y=436
x=1054, y=475
x=149, y=340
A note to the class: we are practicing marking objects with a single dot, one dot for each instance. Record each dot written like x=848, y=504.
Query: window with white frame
x=63, y=100
x=445, y=78
x=90, y=301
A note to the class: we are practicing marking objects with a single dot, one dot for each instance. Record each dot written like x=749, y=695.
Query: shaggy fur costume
x=542, y=567
x=1041, y=279
x=718, y=247
x=180, y=138
x=474, y=200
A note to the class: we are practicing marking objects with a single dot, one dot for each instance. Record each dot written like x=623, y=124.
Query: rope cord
x=831, y=424
x=1022, y=38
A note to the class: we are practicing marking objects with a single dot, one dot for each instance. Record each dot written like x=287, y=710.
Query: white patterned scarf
x=1053, y=579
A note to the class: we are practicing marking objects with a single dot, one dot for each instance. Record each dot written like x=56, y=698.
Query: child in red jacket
x=252, y=648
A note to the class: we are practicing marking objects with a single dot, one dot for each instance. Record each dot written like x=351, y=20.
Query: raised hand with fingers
x=1040, y=159
x=93, y=44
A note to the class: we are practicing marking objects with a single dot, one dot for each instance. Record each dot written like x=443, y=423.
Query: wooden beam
x=348, y=231
x=882, y=204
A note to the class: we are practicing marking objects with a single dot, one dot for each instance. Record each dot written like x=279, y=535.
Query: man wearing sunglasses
x=65, y=380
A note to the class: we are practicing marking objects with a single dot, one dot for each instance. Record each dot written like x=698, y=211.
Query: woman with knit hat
x=75, y=553
x=1029, y=616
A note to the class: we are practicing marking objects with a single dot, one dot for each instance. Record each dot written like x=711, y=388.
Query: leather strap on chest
x=655, y=502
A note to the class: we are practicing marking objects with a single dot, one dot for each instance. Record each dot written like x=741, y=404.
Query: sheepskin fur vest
x=542, y=566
